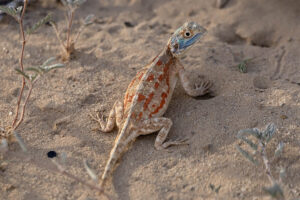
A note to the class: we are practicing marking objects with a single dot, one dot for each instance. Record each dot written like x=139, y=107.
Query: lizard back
x=150, y=91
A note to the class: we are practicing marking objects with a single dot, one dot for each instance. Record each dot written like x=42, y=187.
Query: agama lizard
x=148, y=96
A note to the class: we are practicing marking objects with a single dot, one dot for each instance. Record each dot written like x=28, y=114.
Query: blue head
x=185, y=37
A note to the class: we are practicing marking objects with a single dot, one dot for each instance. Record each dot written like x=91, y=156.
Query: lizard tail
x=110, y=166
x=120, y=147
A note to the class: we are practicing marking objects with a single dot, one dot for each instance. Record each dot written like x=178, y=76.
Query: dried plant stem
x=63, y=171
x=266, y=163
x=20, y=21
x=70, y=18
x=63, y=46
x=24, y=105
x=78, y=34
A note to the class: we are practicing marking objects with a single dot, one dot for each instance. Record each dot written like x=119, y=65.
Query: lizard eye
x=187, y=34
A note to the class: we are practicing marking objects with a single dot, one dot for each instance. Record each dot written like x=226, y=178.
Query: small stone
x=261, y=82
x=221, y=3
x=10, y=113
x=128, y=24
x=192, y=13
x=5, y=50
x=207, y=148
x=3, y=166
x=9, y=187
x=283, y=116
x=51, y=154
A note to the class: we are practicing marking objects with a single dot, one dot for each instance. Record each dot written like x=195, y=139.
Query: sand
x=108, y=56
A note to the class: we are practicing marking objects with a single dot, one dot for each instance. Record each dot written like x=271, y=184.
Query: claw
x=203, y=87
x=176, y=142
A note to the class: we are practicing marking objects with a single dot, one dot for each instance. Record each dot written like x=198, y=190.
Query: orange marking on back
x=164, y=95
x=156, y=85
x=140, y=116
x=166, y=69
x=150, y=77
x=168, y=81
x=159, y=62
x=133, y=115
x=141, y=97
x=162, y=103
x=161, y=77
x=148, y=100
x=129, y=99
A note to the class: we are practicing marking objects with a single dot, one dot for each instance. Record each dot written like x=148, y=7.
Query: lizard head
x=185, y=37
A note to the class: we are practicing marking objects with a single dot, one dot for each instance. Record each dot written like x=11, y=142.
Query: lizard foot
x=104, y=127
x=98, y=119
x=202, y=87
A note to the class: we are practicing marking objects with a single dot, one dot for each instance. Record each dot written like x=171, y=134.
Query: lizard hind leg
x=115, y=118
x=162, y=125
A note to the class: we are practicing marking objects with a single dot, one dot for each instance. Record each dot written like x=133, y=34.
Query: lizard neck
x=165, y=56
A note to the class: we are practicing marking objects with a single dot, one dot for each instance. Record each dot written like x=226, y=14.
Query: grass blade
x=20, y=141
x=90, y=172
x=269, y=132
x=3, y=145
x=51, y=67
x=274, y=191
x=279, y=149
x=33, y=69
x=253, y=131
x=22, y=73
x=39, y=24
x=89, y=19
x=8, y=10
x=249, y=142
x=246, y=155
x=48, y=61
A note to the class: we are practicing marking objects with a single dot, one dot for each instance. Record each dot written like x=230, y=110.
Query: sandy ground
x=110, y=53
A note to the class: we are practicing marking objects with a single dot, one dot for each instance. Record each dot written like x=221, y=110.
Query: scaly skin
x=148, y=96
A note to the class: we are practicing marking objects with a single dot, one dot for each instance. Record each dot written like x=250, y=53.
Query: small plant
x=214, y=188
x=68, y=46
x=263, y=137
x=242, y=66
x=29, y=75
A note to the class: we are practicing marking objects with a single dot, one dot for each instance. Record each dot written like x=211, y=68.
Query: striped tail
x=124, y=138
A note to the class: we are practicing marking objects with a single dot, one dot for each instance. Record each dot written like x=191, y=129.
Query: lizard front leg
x=193, y=89
x=115, y=117
x=162, y=125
